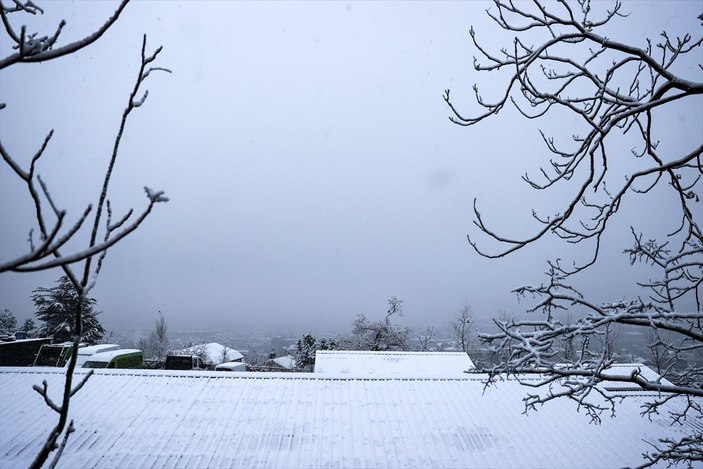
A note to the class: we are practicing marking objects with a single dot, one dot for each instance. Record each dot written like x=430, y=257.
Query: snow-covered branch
x=56, y=234
x=31, y=48
x=616, y=92
x=610, y=86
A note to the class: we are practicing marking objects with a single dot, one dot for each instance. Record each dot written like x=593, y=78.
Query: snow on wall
x=393, y=364
x=150, y=418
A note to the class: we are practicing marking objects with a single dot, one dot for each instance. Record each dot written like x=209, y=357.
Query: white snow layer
x=150, y=418
x=393, y=364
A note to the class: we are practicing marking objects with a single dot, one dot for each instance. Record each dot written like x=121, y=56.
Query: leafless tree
x=155, y=345
x=378, y=335
x=224, y=356
x=31, y=48
x=463, y=326
x=255, y=359
x=425, y=337
x=82, y=265
x=568, y=342
x=661, y=355
x=609, y=342
x=559, y=65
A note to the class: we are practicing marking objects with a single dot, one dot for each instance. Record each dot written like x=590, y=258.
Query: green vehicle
x=126, y=358
x=54, y=354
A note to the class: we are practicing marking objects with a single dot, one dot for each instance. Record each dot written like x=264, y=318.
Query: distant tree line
x=8, y=324
x=385, y=335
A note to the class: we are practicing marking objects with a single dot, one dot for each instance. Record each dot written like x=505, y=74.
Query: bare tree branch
x=32, y=49
x=615, y=90
x=57, y=234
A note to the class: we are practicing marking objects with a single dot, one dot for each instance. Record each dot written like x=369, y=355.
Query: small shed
x=21, y=352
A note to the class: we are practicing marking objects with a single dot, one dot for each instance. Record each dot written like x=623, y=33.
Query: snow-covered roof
x=84, y=353
x=16, y=341
x=93, y=349
x=110, y=354
x=393, y=364
x=214, y=353
x=160, y=418
x=287, y=361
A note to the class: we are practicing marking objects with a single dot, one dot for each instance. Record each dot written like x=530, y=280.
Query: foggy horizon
x=310, y=164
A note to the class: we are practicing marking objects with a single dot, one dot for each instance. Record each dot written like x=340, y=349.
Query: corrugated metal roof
x=393, y=364
x=148, y=418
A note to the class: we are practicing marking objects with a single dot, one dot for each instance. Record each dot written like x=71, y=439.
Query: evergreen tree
x=29, y=327
x=307, y=346
x=56, y=309
x=305, y=358
x=8, y=322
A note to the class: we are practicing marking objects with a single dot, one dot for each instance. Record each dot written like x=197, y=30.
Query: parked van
x=84, y=353
x=231, y=366
x=126, y=358
x=184, y=362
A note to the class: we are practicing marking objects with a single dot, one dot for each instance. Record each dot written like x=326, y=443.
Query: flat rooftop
x=393, y=364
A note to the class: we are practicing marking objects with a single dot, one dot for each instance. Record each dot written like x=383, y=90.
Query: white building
x=393, y=364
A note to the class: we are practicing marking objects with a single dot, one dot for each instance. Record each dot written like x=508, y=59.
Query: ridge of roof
x=478, y=378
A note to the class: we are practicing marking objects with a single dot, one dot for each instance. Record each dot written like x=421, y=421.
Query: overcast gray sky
x=306, y=149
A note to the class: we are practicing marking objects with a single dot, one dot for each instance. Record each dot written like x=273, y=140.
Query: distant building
x=285, y=363
x=21, y=352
